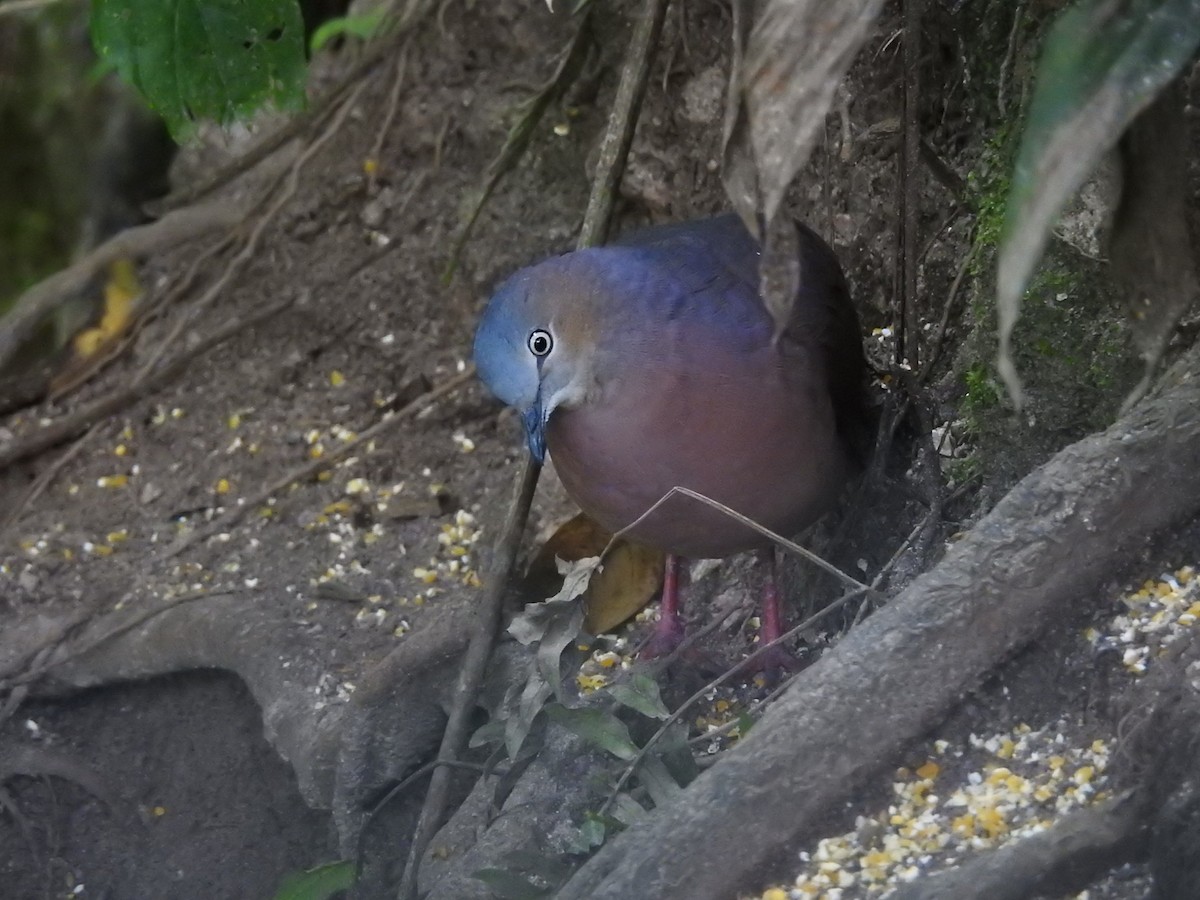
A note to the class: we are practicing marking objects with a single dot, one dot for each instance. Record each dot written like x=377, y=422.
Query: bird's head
x=536, y=344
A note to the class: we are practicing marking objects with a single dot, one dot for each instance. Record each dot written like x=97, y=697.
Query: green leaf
x=510, y=886
x=204, y=59
x=658, y=781
x=532, y=624
x=597, y=727
x=626, y=810
x=533, y=699
x=641, y=694
x=320, y=883
x=1103, y=62
x=589, y=836
x=562, y=629
x=675, y=752
x=362, y=27
x=490, y=732
x=745, y=723
x=538, y=864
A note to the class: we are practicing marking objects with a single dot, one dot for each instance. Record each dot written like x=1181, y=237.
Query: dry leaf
x=120, y=292
x=627, y=580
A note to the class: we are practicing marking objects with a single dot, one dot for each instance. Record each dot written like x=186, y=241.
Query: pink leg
x=772, y=616
x=771, y=627
x=668, y=632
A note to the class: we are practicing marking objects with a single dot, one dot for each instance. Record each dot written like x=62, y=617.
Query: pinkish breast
x=749, y=433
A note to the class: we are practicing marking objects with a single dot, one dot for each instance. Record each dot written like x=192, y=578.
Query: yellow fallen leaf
x=120, y=292
x=629, y=578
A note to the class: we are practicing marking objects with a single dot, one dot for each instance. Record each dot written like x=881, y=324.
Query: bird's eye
x=540, y=343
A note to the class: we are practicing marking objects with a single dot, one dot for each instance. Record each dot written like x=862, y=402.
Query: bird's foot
x=665, y=639
x=774, y=663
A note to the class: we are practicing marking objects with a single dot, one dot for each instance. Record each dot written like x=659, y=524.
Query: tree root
x=1063, y=860
x=849, y=716
x=175, y=228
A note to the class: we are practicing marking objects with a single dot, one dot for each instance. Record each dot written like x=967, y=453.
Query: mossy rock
x=1072, y=349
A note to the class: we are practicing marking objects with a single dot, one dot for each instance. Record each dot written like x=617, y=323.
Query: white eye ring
x=540, y=343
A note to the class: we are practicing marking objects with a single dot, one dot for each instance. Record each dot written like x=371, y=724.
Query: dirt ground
x=198, y=720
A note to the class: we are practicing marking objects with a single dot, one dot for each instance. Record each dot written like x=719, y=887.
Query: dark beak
x=535, y=431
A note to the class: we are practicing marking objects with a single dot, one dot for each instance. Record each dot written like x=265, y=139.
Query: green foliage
x=1102, y=63
x=602, y=719
x=508, y=885
x=960, y=471
x=640, y=694
x=198, y=59
x=28, y=247
x=988, y=185
x=526, y=875
x=590, y=835
x=981, y=390
x=320, y=883
x=363, y=27
x=48, y=114
x=597, y=727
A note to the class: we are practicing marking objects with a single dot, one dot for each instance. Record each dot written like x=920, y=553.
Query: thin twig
x=716, y=683
x=1009, y=56
x=758, y=709
x=36, y=671
x=386, y=125
x=62, y=386
x=938, y=339
x=42, y=482
x=119, y=399
x=878, y=580
x=691, y=639
x=846, y=151
x=147, y=371
x=741, y=666
x=439, y=145
x=418, y=182
x=779, y=539
x=941, y=171
x=9, y=806
x=622, y=121
x=360, y=849
x=907, y=330
x=311, y=468
x=936, y=234
x=12, y=7
x=522, y=132
x=470, y=675
x=250, y=248
x=40, y=300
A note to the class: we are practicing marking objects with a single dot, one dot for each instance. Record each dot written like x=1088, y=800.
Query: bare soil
x=204, y=722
